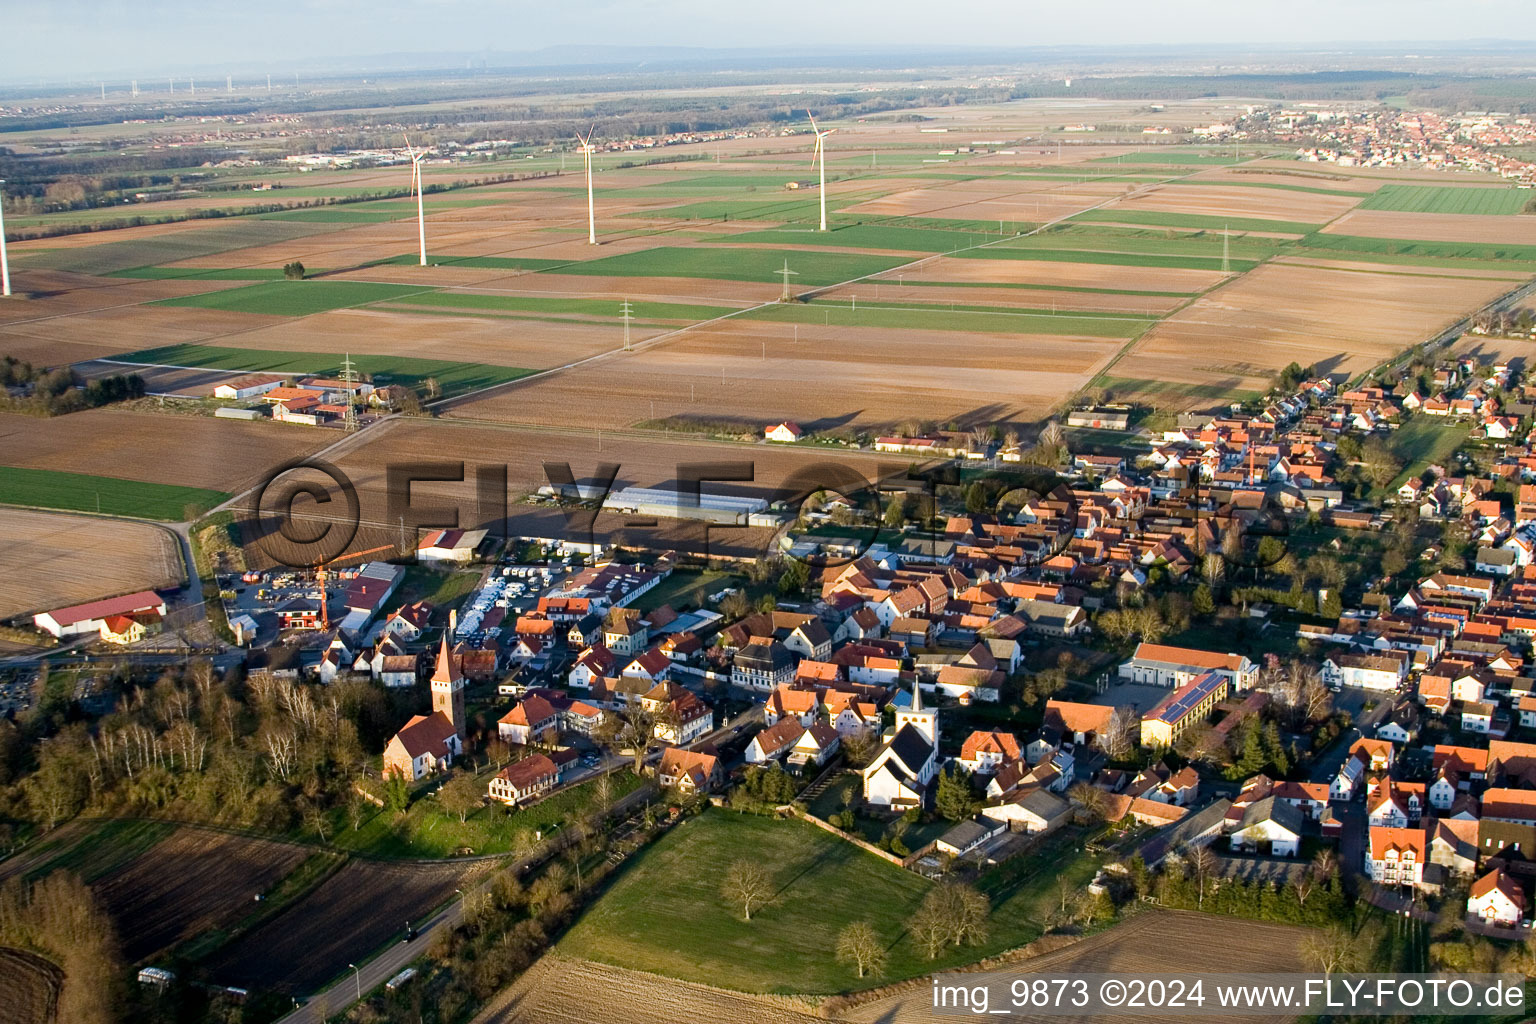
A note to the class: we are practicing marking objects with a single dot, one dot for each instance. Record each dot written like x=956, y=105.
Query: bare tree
x=1118, y=739
x=858, y=944
x=748, y=883
x=1202, y=864
x=1331, y=951
x=1091, y=801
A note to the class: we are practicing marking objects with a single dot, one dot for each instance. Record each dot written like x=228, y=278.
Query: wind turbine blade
x=813, y=123
x=816, y=152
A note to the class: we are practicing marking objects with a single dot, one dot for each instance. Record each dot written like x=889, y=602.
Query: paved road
x=397, y=956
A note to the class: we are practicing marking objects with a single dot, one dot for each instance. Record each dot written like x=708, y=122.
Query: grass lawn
x=435, y=586
x=943, y=318
x=665, y=914
x=454, y=377
x=80, y=492
x=1096, y=441
x=1422, y=441
x=687, y=588
x=293, y=298
x=426, y=831
x=1441, y=199
x=811, y=268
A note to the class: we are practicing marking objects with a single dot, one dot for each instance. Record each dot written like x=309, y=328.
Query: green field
x=1282, y=185
x=1204, y=222
x=80, y=492
x=104, y=848
x=664, y=913
x=811, y=268
x=455, y=378
x=943, y=318
x=412, y=259
x=606, y=308
x=1113, y=259
x=1410, y=251
x=873, y=236
x=293, y=298
x=1440, y=199
x=426, y=831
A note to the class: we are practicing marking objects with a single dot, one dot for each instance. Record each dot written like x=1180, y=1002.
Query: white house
x=1498, y=899
x=785, y=432
x=1269, y=825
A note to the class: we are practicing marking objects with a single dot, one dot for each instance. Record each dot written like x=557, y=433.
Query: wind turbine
x=586, y=154
x=421, y=217
x=819, y=156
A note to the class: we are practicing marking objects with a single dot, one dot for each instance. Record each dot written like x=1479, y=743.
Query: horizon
x=315, y=33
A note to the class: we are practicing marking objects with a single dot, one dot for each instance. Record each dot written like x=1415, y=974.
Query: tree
x=955, y=799
x=895, y=515
x=460, y=796
x=1204, y=603
x=794, y=577
x=397, y=792
x=1091, y=799
x=293, y=271
x=1202, y=865
x=858, y=944
x=746, y=882
x=1331, y=951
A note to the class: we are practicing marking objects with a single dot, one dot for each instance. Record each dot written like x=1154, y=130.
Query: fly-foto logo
x=308, y=512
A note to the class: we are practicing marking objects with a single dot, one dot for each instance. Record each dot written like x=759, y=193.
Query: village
x=998, y=671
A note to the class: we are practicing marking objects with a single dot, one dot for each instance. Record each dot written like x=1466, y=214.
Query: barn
x=88, y=618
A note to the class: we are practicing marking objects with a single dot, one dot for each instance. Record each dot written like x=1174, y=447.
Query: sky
x=56, y=38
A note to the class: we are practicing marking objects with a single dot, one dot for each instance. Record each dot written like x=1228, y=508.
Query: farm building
x=785, y=432
x=89, y=618
x=1101, y=419
x=249, y=386
x=232, y=413
x=672, y=504
x=457, y=546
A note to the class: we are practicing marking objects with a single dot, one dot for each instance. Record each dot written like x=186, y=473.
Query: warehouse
x=88, y=618
x=671, y=504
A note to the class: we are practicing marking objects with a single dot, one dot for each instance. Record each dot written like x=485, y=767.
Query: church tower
x=924, y=720
x=448, y=689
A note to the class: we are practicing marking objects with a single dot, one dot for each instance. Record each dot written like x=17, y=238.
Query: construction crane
x=320, y=574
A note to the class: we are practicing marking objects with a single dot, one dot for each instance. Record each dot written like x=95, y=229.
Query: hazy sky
x=54, y=38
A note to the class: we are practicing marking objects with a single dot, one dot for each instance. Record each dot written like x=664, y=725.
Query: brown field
x=1068, y=275
x=1437, y=227
x=195, y=451
x=1480, y=273
x=1341, y=322
x=194, y=881
x=889, y=289
x=1518, y=352
x=835, y=376
x=56, y=293
x=502, y=342
x=557, y=990
x=1137, y=946
x=994, y=199
x=344, y=919
x=1291, y=174
x=29, y=987
x=52, y=559
x=107, y=332
x=1234, y=201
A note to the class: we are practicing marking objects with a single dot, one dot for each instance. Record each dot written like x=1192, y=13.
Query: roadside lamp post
x=357, y=976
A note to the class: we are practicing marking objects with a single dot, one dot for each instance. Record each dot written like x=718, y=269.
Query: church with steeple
x=429, y=743
x=901, y=774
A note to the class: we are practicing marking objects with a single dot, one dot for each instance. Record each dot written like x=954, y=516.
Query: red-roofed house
x=1397, y=855
x=1497, y=898
x=987, y=751
x=427, y=743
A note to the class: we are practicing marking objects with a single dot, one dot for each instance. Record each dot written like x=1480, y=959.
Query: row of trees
x=58, y=918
